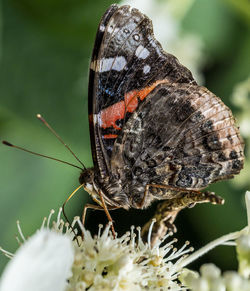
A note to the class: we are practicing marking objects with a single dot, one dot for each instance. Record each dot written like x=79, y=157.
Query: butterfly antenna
x=39, y=116
x=37, y=154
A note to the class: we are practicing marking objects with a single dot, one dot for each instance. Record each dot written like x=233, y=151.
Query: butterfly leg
x=89, y=206
x=107, y=214
x=98, y=207
x=167, y=211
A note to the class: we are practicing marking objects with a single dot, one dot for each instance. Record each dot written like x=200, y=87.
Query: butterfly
x=155, y=133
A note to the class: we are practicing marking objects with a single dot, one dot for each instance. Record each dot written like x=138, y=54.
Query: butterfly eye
x=136, y=37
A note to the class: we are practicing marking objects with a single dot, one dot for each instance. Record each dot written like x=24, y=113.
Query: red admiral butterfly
x=155, y=133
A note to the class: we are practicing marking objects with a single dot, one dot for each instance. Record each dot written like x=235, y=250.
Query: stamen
x=52, y=211
x=132, y=236
x=66, y=227
x=183, y=247
x=139, y=241
x=6, y=253
x=59, y=215
x=125, y=239
x=18, y=240
x=150, y=232
x=169, y=246
x=43, y=223
x=105, y=232
x=132, y=229
x=100, y=227
x=60, y=226
x=76, y=219
x=20, y=231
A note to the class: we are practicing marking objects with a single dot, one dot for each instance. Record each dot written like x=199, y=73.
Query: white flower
x=54, y=260
x=210, y=277
x=57, y=259
x=42, y=263
x=125, y=263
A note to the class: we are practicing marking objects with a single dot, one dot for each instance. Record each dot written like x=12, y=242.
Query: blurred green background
x=45, y=52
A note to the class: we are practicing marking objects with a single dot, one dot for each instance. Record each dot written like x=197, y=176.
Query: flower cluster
x=211, y=278
x=125, y=263
x=56, y=258
x=93, y=263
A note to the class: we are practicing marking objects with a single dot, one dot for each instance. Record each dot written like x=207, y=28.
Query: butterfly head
x=86, y=177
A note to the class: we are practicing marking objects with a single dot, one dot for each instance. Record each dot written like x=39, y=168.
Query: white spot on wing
x=141, y=52
x=102, y=27
x=136, y=37
x=152, y=42
x=112, y=30
x=116, y=64
x=146, y=69
x=96, y=119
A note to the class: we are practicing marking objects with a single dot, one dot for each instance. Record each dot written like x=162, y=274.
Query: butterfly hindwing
x=182, y=136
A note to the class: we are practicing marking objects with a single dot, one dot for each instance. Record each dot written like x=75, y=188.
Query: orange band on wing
x=108, y=136
x=111, y=114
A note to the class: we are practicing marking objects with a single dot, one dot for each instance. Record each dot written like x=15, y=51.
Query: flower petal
x=42, y=263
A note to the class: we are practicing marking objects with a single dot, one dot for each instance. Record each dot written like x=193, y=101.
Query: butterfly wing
x=127, y=64
x=182, y=136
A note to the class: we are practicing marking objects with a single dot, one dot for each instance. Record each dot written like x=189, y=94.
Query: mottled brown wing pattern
x=182, y=136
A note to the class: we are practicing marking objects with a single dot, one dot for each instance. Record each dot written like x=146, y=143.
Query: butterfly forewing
x=127, y=65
